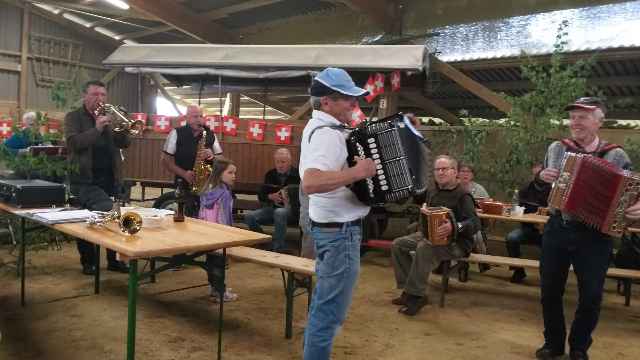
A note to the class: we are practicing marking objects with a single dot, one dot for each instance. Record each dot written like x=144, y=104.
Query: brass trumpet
x=129, y=223
x=121, y=121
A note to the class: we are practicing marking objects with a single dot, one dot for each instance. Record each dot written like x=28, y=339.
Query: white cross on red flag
x=283, y=134
x=357, y=116
x=213, y=122
x=375, y=86
x=395, y=80
x=139, y=117
x=230, y=125
x=161, y=123
x=255, y=130
x=5, y=128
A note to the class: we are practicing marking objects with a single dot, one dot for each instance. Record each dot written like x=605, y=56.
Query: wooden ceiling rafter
x=220, y=13
x=184, y=19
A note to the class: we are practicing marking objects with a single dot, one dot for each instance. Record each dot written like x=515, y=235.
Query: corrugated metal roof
x=592, y=28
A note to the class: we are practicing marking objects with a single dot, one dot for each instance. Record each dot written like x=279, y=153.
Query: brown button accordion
x=595, y=192
x=432, y=217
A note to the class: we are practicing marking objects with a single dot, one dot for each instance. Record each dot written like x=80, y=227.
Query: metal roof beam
x=243, y=6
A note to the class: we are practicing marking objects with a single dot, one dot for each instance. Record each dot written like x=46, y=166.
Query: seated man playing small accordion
x=452, y=239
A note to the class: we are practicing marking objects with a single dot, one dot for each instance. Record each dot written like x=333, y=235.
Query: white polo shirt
x=327, y=151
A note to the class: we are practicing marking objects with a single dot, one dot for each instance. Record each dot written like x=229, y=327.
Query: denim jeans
x=337, y=268
x=566, y=243
x=270, y=215
x=525, y=234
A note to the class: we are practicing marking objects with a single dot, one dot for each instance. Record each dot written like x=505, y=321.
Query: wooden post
x=388, y=104
x=234, y=109
x=24, y=57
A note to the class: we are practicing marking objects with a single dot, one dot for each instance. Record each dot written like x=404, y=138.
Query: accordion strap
x=602, y=150
x=335, y=127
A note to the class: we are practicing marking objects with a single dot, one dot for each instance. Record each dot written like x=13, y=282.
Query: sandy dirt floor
x=485, y=318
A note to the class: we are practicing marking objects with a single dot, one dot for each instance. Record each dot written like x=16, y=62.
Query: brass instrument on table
x=129, y=223
x=201, y=169
x=121, y=120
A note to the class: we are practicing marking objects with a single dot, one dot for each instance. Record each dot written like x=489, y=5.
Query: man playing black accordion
x=567, y=241
x=412, y=273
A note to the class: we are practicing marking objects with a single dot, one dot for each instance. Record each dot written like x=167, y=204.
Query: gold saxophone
x=121, y=121
x=201, y=170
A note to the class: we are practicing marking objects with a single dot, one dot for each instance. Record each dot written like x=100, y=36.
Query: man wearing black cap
x=334, y=210
x=566, y=241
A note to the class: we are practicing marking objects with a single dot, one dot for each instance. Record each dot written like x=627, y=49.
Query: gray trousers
x=412, y=273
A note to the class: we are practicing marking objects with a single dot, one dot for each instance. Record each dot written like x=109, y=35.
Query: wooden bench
x=624, y=276
x=289, y=265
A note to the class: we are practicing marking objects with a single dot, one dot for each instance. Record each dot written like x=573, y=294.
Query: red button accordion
x=595, y=192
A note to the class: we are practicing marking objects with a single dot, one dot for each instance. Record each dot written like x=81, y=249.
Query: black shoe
x=118, y=266
x=88, y=269
x=518, y=276
x=484, y=267
x=413, y=305
x=547, y=353
x=400, y=300
x=578, y=355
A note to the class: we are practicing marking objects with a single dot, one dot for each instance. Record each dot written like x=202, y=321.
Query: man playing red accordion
x=567, y=242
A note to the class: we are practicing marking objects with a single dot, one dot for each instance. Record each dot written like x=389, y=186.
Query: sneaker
x=413, y=305
x=228, y=296
x=578, y=355
x=518, y=276
x=88, y=269
x=400, y=300
x=547, y=353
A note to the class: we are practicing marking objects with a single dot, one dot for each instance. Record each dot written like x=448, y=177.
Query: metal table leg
x=96, y=279
x=131, y=308
x=221, y=290
x=22, y=260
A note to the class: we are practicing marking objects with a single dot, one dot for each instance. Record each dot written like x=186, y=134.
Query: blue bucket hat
x=331, y=80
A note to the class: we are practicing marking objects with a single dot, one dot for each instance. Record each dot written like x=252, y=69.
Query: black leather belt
x=336, y=224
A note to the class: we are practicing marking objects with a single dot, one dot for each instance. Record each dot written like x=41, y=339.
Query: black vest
x=187, y=146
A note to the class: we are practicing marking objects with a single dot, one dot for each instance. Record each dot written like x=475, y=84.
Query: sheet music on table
x=60, y=217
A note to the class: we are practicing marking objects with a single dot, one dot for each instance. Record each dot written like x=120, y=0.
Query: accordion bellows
x=595, y=191
x=434, y=217
x=400, y=155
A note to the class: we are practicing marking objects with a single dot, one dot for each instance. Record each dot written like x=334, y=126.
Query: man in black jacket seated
x=412, y=274
x=531, y=196
x=275, y=208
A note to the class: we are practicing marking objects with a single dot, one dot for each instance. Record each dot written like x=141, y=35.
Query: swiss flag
x=395, y=80
x=54, y=126
x=230, y=125
x=5, y=128
x=139, y=117
x=213, y=122
x=161, y=123
x=357, y=116
x=255, y=130
x=375, y=86
x=283, y=133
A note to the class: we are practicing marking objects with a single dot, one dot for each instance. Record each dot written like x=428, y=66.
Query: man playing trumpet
x=412, y=274
x=93, y=145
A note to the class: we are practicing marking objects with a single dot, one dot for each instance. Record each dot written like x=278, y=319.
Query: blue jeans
x=337, y=268
x=564, y=244
x=279, y=217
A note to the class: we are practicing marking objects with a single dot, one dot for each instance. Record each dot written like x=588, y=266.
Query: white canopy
x=264, y=61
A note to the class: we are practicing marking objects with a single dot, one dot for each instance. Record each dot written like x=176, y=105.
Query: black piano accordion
x=595, y=192
x=401, y=156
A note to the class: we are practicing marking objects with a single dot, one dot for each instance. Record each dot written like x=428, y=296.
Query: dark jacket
x=272, y=184
x=81, y=134
x=534, y=195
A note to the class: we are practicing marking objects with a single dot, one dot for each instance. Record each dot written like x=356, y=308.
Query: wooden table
x=532, y=219
x=190, y=239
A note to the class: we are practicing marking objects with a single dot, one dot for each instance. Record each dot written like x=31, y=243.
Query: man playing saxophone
x=183, y=150
x=93, y=145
